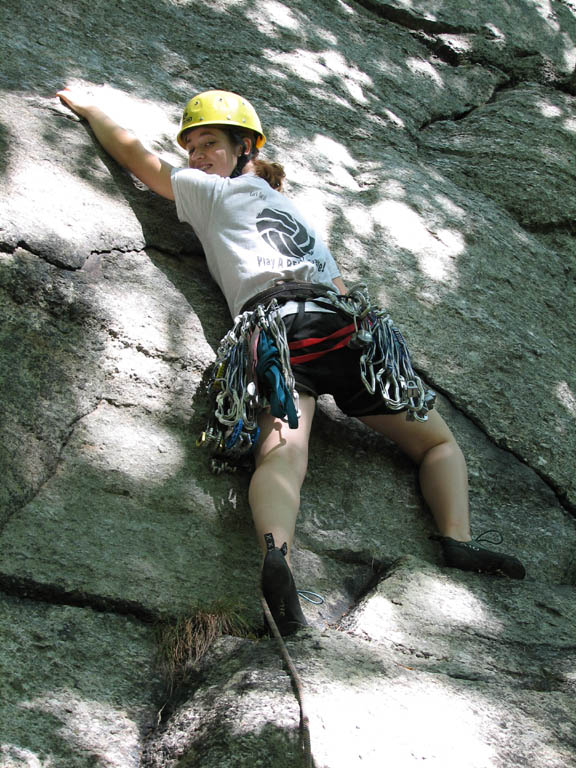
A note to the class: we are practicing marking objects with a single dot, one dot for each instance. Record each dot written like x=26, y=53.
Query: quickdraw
x=385, y=361
x=252, y=371
x=240, y=391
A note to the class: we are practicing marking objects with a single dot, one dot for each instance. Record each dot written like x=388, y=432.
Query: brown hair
x=273, y=173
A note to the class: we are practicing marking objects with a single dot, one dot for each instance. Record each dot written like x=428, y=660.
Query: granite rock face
x=78, y=686
x=422, y=651
x=433, y=144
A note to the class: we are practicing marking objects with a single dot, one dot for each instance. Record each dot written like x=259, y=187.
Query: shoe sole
x=279, y=592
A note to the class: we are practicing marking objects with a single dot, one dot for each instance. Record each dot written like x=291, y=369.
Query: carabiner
x=364, y=369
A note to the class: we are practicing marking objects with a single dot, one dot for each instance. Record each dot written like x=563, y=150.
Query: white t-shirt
x=252, y=235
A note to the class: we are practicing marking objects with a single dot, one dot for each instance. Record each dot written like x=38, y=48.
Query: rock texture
x=428, y=666
x=434, y=145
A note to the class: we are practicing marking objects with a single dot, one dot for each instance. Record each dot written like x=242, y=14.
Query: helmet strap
x=240, y=165
x=243, y=159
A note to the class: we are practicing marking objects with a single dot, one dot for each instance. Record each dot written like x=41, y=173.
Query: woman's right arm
x=125, y=148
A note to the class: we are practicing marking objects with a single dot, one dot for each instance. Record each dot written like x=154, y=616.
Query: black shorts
x=322, y=363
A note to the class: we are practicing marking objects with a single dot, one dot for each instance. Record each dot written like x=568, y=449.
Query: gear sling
x=252, y=369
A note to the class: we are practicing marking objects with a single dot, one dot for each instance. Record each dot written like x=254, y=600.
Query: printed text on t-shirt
x=273, y=262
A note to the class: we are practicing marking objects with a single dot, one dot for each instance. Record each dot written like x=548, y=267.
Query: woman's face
x=211, y=150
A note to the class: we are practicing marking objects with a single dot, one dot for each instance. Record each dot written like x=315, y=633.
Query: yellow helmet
x=220, y=108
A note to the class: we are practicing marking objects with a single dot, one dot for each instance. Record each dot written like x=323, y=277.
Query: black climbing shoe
x=279, y=590
x=469, y=556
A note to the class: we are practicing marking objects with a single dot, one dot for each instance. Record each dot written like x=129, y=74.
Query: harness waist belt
x=286, y=291
x=291, y=307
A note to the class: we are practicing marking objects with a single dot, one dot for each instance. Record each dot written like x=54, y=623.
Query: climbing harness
x=385, y=363
x=251, y=372
x=287, y=291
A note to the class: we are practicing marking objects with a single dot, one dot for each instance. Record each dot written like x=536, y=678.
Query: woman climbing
x=280, y=279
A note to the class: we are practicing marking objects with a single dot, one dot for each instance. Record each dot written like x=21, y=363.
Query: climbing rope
x=296, y=683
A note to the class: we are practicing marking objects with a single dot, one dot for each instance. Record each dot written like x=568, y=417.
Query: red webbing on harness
x=346, y=332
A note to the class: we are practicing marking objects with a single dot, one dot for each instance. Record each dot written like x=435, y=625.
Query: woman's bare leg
x=443, y=473
x=444, y=484
x=281, y=463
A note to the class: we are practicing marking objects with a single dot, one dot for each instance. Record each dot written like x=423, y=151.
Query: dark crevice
x=118, y=404
x=502, y=444
x=464, y=113
x=567, y=226
x=172, y=253
x=10, y=247
x=518, y=681
x=453, y=118
x=509, y=85
x=28, y=589
x=352, y=557
x=375, y=571
x=428, y=33
x=409, y=20
x=68, y=434
x=370, y=573
x=568, y=84
x=51, y=467
x=439, y=48
x=509, y=63
x=7, y=247
x=446, y=53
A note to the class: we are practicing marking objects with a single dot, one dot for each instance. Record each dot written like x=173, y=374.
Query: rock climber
x=259, y=248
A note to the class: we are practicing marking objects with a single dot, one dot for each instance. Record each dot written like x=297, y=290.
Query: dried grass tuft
x=183, y=642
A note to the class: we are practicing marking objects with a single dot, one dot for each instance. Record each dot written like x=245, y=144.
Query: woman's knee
x=447, y=448
x=439, y=439
x=290, y=458
x=415, y=438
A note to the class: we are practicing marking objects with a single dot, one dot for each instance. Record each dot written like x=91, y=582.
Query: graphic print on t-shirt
x=283, y=232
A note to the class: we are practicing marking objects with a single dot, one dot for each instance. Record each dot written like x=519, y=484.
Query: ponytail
x=273, y=173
